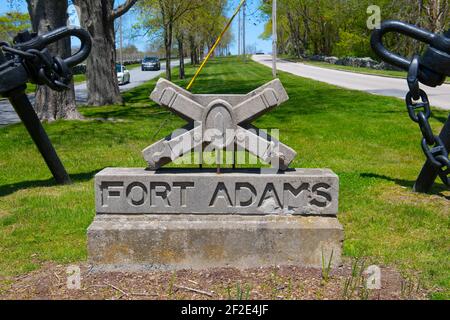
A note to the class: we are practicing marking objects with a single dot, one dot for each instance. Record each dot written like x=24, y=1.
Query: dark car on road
x=151, y=63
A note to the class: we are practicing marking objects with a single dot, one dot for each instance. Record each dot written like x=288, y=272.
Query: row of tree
x=193, y=24
x=190, y=26
x=338, y=27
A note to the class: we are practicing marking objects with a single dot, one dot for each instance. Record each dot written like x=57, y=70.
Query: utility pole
x=239, y=34
x=121, y=40
x=274, y=38
x=243, y=29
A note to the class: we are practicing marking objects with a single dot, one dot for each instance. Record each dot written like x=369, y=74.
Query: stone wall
x=353, y=62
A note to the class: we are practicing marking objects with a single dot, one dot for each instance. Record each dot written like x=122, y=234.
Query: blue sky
x=254, y=26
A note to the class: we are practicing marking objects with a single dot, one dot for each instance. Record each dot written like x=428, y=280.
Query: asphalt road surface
x=138, y=77
x=393, y=87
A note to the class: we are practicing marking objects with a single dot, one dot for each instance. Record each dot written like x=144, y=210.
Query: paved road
x=138, y=77
x=393, y=87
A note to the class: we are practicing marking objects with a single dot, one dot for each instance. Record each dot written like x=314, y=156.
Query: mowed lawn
x=367, y=140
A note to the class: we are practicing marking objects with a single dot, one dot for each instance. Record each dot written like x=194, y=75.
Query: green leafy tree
x=161, y=16
x=339, y=27
x=194, y=24
x=11, y=23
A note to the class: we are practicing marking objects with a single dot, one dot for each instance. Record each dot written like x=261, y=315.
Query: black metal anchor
x=430, y=69
x=28, y=60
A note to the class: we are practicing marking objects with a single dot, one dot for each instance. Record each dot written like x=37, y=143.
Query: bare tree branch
x=122, y=9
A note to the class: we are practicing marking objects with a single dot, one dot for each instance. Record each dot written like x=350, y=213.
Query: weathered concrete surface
x=152, y=242
x=194, y=191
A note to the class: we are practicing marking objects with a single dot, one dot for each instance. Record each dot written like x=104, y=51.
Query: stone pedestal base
x=170, y=242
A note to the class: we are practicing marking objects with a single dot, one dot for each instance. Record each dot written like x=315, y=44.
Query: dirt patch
x=3, y=213
x=290, y=283
x=402, y=195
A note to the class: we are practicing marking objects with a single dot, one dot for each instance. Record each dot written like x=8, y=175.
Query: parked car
x=123, y=75
x=151, y=63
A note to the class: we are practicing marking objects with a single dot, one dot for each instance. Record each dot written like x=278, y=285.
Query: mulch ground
x=290, y=283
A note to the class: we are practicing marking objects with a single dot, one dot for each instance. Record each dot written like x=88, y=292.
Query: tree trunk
x=195, y=56
x=181, y=56
x=192, y=49
x=437, y=12
x=200, y=54
x=168, y=47
x=102, y=84
x=192, y=57
x=51, y=105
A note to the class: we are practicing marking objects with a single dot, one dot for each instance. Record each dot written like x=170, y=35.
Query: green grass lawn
x=367, y=140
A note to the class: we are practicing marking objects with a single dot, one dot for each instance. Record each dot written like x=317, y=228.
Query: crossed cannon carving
x=220, y=121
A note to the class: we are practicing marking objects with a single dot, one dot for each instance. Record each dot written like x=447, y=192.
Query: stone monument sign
x=173, y=218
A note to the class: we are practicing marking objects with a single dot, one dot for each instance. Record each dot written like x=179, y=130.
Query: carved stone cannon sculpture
x=220, y=120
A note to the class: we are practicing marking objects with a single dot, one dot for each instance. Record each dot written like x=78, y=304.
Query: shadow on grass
x=124, y=113
x=8, y=189
x=400, y=182
x=437, y=190
x=441, y=119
